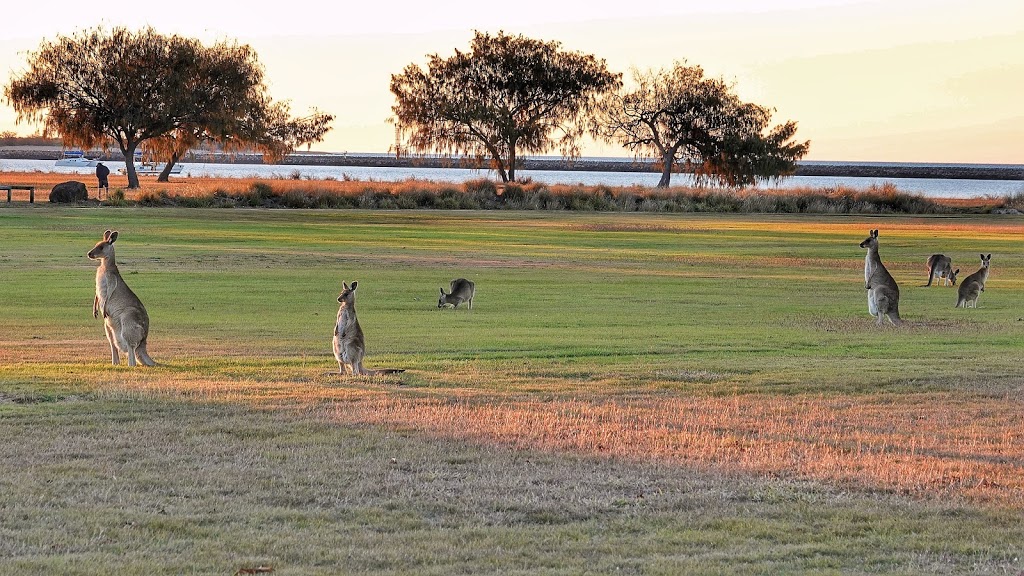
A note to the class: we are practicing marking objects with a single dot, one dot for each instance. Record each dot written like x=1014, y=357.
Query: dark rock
x=70, y=191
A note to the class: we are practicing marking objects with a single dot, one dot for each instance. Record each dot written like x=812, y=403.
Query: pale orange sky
x=897, y=80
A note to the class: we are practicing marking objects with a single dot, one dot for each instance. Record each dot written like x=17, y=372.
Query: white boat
x=76, y=159
x=152, y=168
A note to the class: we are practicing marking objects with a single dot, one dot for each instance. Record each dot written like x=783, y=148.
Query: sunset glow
x=866, y=80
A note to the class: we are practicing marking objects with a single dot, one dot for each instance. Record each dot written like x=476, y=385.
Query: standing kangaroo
x=349, y=342
x=883, y=292
x=941, y=266
x=124, y=316
x=972, y=286
x=462, y=290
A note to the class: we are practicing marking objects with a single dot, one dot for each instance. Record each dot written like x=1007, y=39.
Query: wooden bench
x=10, y=187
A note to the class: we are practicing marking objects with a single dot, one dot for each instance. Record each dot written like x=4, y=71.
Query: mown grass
x=637, y=393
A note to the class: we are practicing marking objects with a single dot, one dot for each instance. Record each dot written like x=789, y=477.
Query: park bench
x=10, y=187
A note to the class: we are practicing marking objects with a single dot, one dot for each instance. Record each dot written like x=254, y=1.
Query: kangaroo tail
x=144, y=355
x=384, y=371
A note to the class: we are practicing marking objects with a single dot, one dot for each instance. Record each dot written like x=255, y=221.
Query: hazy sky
x=895, y=80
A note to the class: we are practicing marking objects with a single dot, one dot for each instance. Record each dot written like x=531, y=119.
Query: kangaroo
x=462, y=290
x=883, y=292
x=124, y=316
x=972, y=286
x=941, y=266
x=349, y=342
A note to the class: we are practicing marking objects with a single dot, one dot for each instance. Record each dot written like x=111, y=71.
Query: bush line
x=483, y=194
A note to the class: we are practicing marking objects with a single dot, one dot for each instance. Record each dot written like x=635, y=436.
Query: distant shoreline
x=836, y=169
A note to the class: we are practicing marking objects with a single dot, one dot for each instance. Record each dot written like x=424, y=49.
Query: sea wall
x=839, y=169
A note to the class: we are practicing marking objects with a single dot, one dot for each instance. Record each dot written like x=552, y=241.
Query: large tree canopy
x=169, y=92
x=507, y=95
x=684, y=119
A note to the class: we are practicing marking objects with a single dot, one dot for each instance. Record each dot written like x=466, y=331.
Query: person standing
x=101, y=174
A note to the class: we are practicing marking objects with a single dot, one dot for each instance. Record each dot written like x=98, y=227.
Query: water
x=931, y=187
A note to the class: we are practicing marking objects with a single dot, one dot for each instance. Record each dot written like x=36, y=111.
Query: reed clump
x=484, y=194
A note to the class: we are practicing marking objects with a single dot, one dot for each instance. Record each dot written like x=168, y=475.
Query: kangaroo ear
x=353, y=285
x=957, y=271
x=113, y=236
x=442, y=290
x=344, y=285
x=874, y=233
x=989, y=257
x=106, y=235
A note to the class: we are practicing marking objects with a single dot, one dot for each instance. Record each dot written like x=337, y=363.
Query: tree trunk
x=667, y=159
x=512, y=163
x=165, y=174
x=129, y=165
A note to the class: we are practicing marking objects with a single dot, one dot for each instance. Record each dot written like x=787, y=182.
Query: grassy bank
x=484, y=194
x=632, y=393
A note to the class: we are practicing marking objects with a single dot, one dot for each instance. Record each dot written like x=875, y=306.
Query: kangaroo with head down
x=349, y=342
x=942, y=267
x=124, y=316
x=972, y=286
x=462, y=290
x=883, y=292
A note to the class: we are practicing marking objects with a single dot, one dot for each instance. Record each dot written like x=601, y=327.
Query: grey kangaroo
x=462, y=290
x=124, y=316
x=942, y=267
x=972, y=286
x=883, y=292
x=349, y=342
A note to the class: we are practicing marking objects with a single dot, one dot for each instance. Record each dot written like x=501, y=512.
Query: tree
x=684, y=119
x=130, y=88
x=507, y=95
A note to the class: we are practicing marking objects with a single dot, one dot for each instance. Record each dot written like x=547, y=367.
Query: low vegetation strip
x=294, y=192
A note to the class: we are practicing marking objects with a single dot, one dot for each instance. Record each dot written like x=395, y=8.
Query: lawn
x=631, y=393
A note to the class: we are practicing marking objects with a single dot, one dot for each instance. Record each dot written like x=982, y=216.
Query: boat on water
x=149, y=168
x=152, y=168
x=76, y=159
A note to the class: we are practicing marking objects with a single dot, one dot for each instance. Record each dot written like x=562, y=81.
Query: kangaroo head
x=985, y=260
x=871, y=241
x=443, y=299
x=348, y=293
x=104, y=248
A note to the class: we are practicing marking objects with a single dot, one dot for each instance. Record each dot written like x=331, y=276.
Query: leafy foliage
x=508, y=94
x=684, y=118
x=170, y=92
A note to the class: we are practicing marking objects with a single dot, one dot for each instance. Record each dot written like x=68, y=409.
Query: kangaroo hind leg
x=115, y=359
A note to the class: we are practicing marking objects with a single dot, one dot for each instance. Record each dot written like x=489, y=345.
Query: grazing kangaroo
x=941, y=266
x=972, y=286
x=462, y=290
x=883, y=292
x=349, y=342
x=124, y=316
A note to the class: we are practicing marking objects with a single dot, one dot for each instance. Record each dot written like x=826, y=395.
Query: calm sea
x=933, y=187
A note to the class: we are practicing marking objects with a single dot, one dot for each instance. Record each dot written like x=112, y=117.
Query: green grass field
x=632, y=393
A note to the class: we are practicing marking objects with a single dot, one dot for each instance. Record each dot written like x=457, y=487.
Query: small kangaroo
x=972, y=286
x=349, y=342
x=462, y=290
x=941, y=266
x=883, y=292
x=124, y=316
